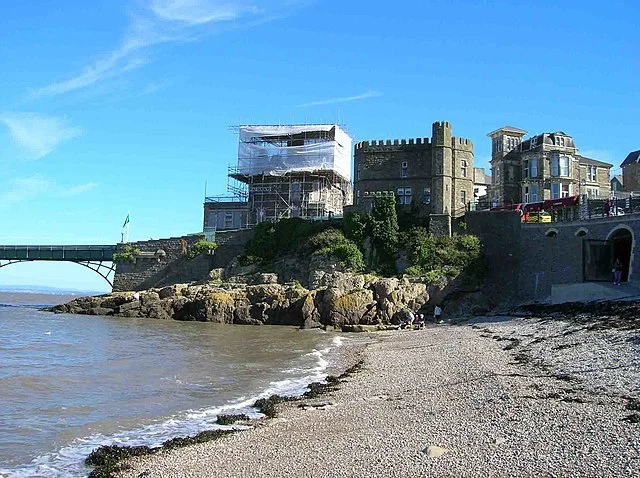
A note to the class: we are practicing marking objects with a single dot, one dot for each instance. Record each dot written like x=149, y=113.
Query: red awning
x=561, y=202
x=533, y=207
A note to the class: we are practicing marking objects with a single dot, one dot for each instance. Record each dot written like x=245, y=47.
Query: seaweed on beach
x=267, y=406
x=202, y=437
x=231, y=419
x=598, y=315
x=106, y=459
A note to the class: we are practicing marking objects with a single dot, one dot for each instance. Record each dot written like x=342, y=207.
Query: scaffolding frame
x=313, y=195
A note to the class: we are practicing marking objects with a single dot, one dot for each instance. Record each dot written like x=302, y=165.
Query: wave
x=69, y=460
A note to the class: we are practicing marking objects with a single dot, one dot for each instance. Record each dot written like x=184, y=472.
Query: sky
x=126, y=105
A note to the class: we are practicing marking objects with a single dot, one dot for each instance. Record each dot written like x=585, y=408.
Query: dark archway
x=622, y=240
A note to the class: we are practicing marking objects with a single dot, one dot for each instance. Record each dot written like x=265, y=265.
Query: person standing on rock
x=617, y=271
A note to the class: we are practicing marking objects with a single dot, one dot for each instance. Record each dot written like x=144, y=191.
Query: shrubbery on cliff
x=298, y=236
x=371, y=241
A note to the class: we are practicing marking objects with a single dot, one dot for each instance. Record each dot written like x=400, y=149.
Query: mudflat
x=496, y=396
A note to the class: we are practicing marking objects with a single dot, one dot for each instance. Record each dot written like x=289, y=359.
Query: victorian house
x=546, y=166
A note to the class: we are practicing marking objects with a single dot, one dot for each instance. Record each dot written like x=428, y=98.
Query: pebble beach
x=492, y=397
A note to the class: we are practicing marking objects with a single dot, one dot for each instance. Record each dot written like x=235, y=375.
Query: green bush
x=199, y=248
x=441, y=255
x=127, y=253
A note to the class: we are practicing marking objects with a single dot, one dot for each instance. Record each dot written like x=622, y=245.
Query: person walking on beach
x=437, y=313
x=617, y=271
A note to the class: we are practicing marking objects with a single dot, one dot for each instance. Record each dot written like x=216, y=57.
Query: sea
x=70, y=383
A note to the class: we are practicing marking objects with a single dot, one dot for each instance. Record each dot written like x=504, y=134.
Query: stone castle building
x=434, y=173
x=546, y=166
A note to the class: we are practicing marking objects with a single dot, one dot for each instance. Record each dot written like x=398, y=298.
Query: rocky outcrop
x=341, y=300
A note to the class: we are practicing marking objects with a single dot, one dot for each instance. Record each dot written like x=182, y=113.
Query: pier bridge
x=97, y=258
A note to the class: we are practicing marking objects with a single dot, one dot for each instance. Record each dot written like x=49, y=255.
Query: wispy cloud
x=23, y=189
x=78, y=189
x=344, y=99
x=165, y=21
x=31, y=187
x=38, y=134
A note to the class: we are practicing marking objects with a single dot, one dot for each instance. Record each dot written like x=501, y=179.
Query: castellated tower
x=441, y=170
x=429, y=176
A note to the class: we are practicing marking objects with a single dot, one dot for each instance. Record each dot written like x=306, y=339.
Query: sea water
x=70, y=383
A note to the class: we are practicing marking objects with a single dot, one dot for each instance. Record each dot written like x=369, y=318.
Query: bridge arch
x=97, y=258
x=622, y=240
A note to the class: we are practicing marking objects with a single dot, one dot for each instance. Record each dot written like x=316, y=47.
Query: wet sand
x=494, y=397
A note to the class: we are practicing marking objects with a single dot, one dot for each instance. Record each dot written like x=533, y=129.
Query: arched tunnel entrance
x=621, y=241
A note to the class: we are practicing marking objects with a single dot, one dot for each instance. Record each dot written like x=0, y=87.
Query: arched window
x=551, y=233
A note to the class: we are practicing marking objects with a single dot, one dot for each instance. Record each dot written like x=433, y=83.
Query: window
x=525, y=169
x=555, y=166
x=498, y=174
x=404, y=164
x=564, y=166
x=405, y=172
x=426, y=196
x=499, y=144
x=463, y=168
x=228, y=220
x=592, y=173
x=565, y=191
x=358, y=196
x=555, y=190
x=404, y=195
x=526, y=194
x=534, y=141
x=463, y=197
x=534, y=193
x=534, y=168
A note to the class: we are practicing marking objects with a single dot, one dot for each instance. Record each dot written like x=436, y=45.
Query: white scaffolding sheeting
x=278, y=150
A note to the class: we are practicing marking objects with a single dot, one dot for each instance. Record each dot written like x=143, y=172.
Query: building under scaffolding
x=287, y=171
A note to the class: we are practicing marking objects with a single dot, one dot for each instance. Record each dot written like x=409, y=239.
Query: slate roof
x=593, y=162
x=633, y=157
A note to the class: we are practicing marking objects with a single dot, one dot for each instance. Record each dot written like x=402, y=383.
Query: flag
x=126, y=221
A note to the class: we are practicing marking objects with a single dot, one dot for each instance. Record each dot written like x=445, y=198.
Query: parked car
x=542, y=216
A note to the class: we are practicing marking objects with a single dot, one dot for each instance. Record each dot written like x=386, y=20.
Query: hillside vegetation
x=372, y=242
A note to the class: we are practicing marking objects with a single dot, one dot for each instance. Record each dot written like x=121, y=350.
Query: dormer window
x=534, y=141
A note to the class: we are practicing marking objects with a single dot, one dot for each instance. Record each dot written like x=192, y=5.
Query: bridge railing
x=59, y=253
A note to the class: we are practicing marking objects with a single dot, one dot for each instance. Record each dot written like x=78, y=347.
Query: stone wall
x=526, y=260
x=161, y=263
x=154, y=268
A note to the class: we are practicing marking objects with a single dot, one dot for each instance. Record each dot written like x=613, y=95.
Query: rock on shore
x=341, y=300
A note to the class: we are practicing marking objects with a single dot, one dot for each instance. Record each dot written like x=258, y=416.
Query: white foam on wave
x=69, y=460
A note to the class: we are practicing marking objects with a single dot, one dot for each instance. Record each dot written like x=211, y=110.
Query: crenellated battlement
x=462, y=144
x=392, y=143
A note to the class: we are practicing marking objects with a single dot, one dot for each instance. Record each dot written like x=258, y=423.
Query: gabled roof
x=633, y=157
x=617, y=177
x=593, y=162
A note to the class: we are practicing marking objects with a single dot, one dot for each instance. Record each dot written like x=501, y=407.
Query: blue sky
x=107, y=107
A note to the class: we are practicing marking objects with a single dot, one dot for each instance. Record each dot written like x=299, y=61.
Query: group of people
x=418, y=320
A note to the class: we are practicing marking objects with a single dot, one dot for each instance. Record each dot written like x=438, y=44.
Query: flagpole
x=128, y=224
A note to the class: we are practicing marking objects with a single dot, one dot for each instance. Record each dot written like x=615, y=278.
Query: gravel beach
x=494, y=397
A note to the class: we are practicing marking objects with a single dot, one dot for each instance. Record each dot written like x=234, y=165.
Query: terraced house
x=545, y=166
